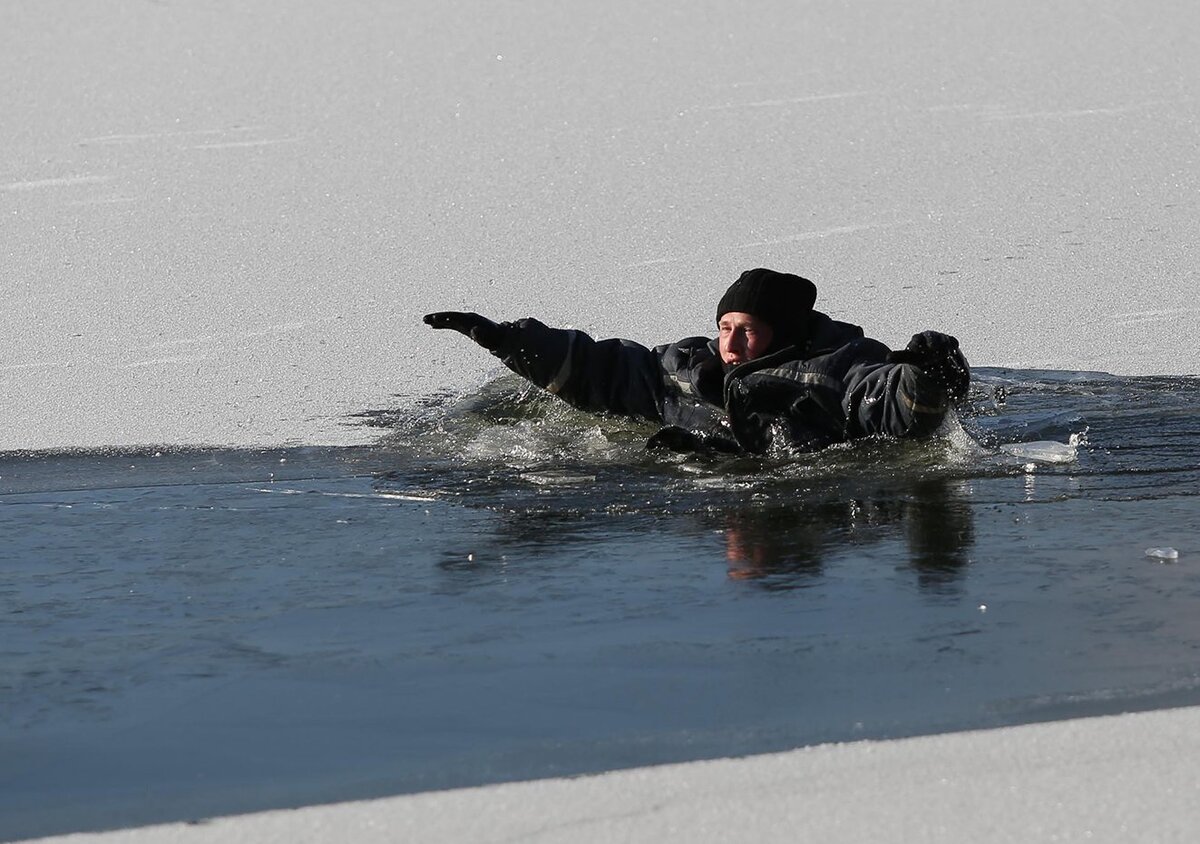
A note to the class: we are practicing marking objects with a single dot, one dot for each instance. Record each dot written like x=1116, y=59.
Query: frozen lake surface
x=503, y=589
x=223, y=221
x=221, y=224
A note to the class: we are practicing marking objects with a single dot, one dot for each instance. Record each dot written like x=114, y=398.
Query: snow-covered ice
x=223, y=221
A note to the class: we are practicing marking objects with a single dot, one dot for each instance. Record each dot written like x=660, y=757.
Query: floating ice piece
x=1042, y=451
x=1162, y=553
x=553, y=477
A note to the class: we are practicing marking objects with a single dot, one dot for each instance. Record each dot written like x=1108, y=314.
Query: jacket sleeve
x=897, y=399
x=619, y=376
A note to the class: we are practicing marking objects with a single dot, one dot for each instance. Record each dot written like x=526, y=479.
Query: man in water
x=779, y=373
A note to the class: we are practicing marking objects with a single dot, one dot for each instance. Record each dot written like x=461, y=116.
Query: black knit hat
x=784, y=301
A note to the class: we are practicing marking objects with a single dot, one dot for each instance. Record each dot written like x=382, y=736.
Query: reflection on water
x=784, y=546
x=1063, y=435
x=504, y=589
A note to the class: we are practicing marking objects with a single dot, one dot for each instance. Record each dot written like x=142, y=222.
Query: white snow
x=223, y=221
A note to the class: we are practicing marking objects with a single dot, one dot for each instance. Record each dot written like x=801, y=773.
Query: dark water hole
x=505, y=589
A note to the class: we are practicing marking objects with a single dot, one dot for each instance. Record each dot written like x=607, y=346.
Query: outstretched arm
x=911, y=393
x=480, y=329
x=614, y=375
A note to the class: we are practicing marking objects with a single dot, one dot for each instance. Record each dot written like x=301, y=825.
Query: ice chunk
x=1162, y=553
x=557, y=477
x=1042, y=451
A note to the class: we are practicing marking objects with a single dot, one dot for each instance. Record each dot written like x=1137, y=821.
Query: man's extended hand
x=480, y=329
x=938, y=356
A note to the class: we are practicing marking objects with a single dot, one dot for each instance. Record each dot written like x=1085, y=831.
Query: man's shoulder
x=861, y=350
x=834, y=346
x=826, y=334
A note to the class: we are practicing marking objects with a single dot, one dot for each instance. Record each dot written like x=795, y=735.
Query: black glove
x=480, y=329
x=938, y=356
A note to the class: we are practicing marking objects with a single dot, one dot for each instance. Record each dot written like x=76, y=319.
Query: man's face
x=742, y=337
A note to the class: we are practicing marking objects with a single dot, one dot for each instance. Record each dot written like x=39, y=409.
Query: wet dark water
x=505, y=589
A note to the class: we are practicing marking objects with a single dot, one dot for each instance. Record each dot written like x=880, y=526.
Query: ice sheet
x=223, y=221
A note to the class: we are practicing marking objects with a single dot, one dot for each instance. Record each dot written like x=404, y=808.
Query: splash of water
x=510, y=446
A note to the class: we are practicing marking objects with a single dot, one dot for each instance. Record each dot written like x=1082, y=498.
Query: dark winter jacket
x=836, y=386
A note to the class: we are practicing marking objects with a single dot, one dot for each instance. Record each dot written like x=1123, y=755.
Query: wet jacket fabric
x=836, y=386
